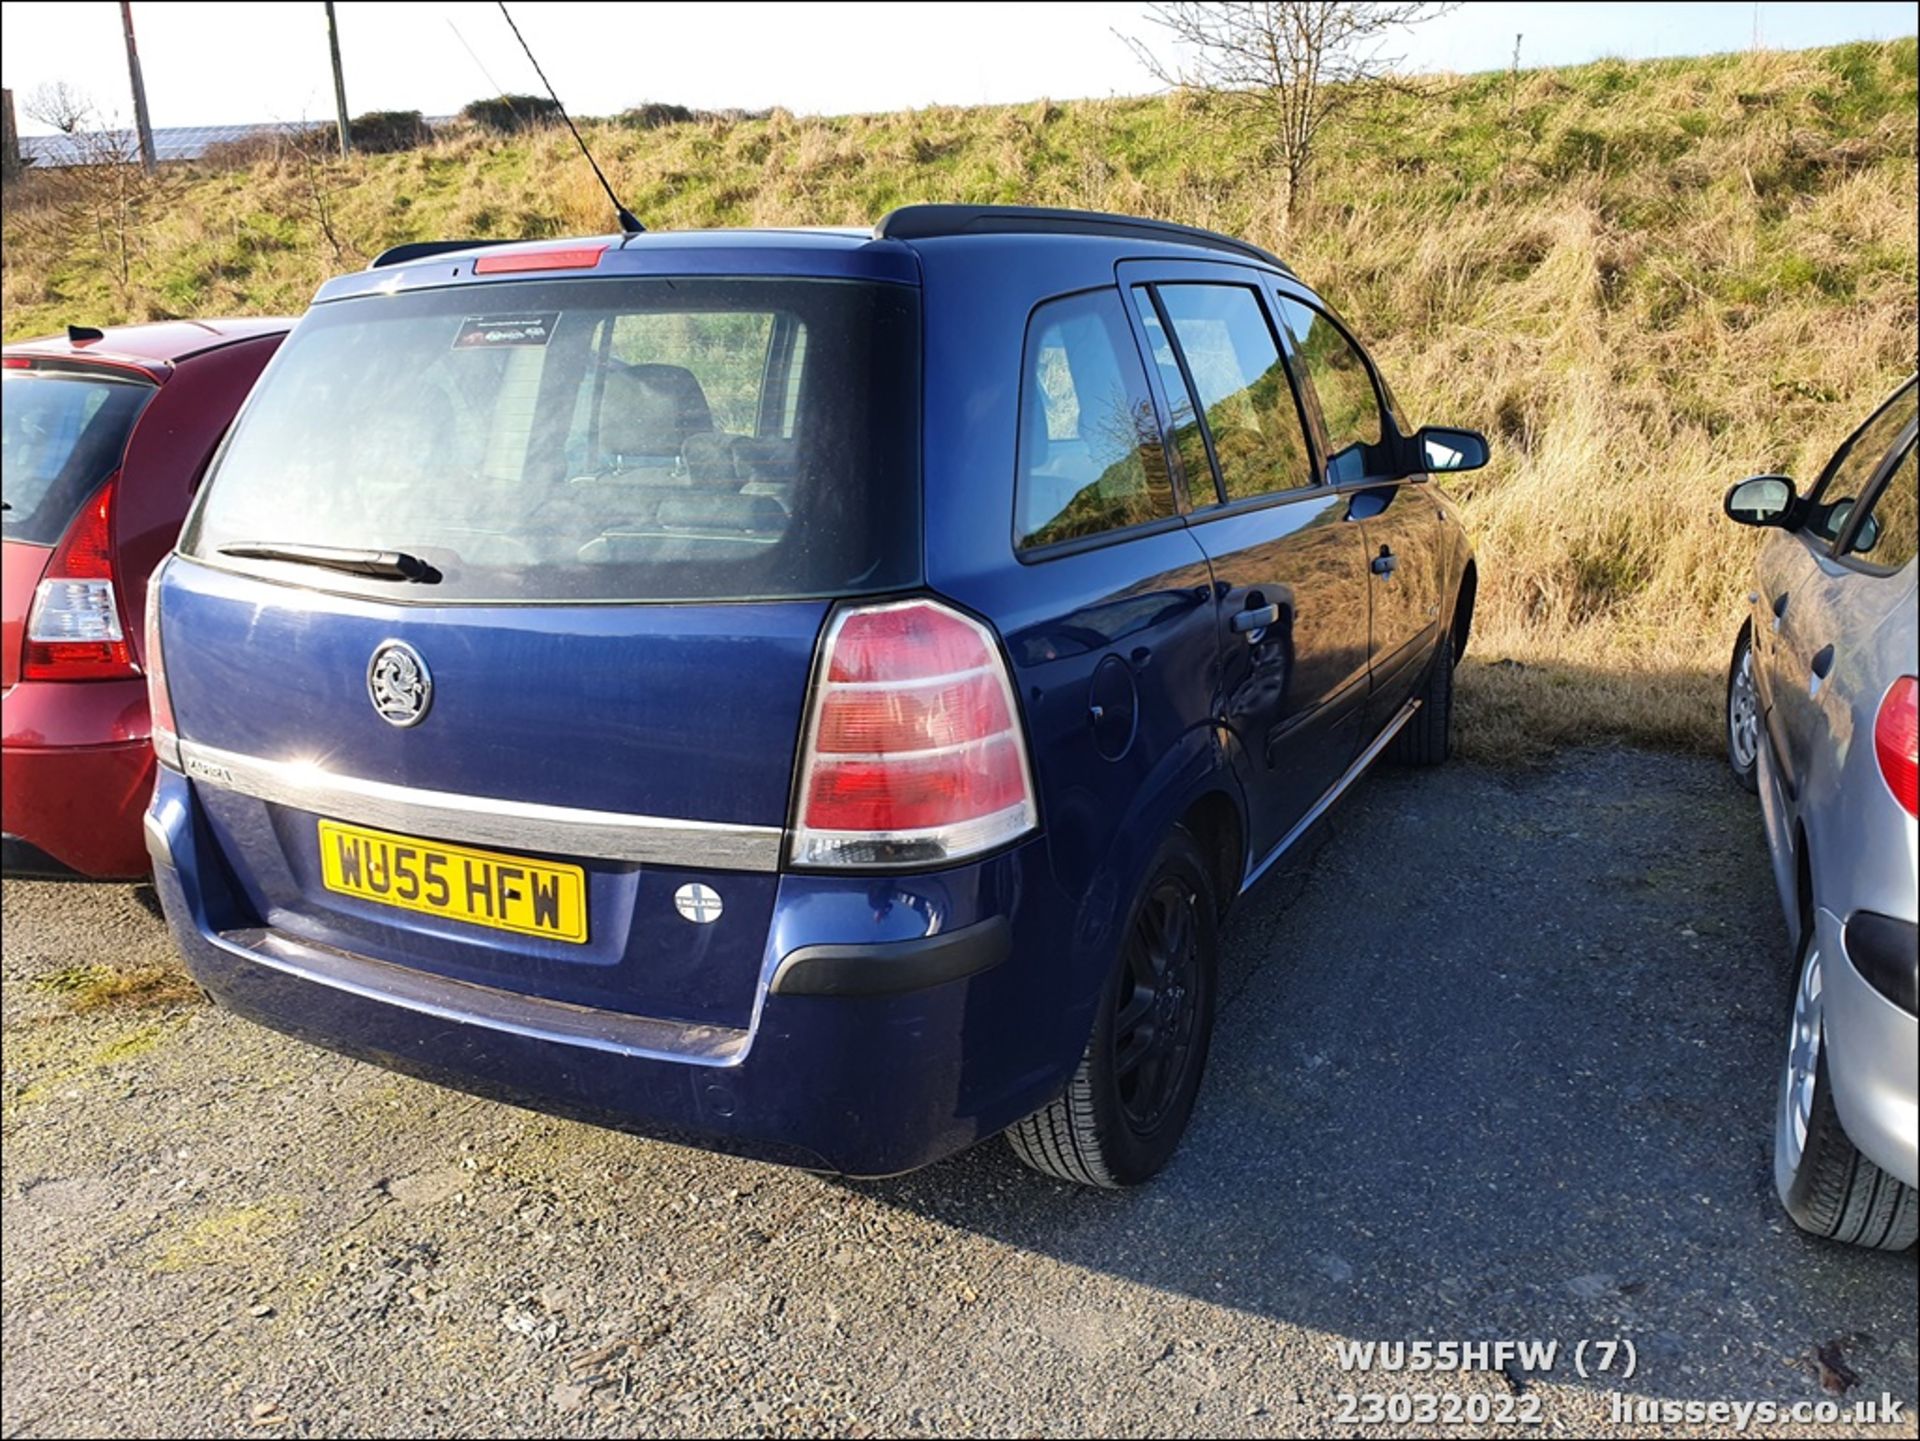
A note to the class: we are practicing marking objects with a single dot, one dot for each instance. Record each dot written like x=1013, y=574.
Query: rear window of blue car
x=641, y=440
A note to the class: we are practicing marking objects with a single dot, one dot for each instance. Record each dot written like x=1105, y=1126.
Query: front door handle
x=1258, y=618
x=1384, y=562
x=1821, y=666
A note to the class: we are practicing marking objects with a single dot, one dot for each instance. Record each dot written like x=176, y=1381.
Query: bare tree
x=65, y=107
x=1282, y=70
x=314, y=147
x=96, y=186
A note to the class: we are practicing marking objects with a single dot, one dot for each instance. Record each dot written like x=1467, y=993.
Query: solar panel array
x=178, y=142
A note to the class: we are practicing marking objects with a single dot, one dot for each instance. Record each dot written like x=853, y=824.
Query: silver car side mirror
x=1761, y=500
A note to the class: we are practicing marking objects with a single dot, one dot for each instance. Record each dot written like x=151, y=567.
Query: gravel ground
x=1495, y=1059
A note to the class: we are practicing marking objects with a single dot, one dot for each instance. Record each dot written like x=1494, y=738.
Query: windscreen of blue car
x=631, y=439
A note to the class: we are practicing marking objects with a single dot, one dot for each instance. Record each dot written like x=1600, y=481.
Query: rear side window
x=643, y=440
x=1091, y=460
x=1242, y=388
x=1853, y=465
x=1890, y=534
x=1188, y=442
x=65, y=432
x=1337, y=382
x=1852, y=468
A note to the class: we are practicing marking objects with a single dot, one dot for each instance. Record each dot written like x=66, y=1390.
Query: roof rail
x=423, y=249
x=925, y=222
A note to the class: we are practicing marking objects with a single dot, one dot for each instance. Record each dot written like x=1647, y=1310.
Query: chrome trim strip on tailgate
x=485, y=820
x=475, y=1005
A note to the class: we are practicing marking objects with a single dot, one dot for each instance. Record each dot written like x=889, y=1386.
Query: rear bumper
x=864, y=1061
x=1872, y=1048
x=21, y=859
x=76, y=769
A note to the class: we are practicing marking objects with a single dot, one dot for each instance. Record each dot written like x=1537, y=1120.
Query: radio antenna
x=629, y=222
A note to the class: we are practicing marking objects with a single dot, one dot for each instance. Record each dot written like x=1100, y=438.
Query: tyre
x=1127, y=1106
x=1427, y=739
x=1743, y=714
x=1827, y=1186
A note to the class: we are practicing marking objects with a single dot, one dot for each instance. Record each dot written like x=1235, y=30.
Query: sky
x=227, y=63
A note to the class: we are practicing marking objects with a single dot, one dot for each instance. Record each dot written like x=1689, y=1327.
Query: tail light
x=166, y=738
x=913, y=751
x=1896, y=742
x=73, y=629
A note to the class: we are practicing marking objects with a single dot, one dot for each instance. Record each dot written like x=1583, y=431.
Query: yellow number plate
x=482, y=888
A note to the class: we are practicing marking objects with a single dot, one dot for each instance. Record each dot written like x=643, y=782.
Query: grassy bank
x=1642, y=280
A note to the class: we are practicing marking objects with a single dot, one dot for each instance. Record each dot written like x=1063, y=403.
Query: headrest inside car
x=651, y=410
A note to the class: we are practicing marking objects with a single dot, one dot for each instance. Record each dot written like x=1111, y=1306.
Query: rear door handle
x=1821, y=666
x=1258, y=618
x=1384, y=562
x=1779, y=609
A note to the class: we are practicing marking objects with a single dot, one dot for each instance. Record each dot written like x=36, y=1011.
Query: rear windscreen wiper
x=380, y=564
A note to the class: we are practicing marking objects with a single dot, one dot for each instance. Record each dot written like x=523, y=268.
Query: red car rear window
x=64, y=433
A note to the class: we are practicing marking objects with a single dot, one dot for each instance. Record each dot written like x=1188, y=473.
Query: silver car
x=1821, y=723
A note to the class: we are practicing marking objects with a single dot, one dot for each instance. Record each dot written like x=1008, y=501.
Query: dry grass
x=1641, y=280
x=1513, y=711
x=94, y=988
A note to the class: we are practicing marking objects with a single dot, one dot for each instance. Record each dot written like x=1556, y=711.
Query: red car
x=107, y=434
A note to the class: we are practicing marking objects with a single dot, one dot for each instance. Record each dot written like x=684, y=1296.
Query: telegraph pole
x=140, y=121
x=339, y=80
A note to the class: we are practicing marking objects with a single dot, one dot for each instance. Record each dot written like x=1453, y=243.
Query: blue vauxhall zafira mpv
x=810, y=694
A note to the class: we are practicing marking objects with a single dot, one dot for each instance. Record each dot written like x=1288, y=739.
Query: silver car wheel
x=1803, y=1065
x=1743, y=715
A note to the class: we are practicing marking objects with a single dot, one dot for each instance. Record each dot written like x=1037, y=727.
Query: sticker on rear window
x=480, y=331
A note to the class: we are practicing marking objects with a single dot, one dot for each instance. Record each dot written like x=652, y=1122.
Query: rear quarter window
x=606, y=439
x=1091, y=460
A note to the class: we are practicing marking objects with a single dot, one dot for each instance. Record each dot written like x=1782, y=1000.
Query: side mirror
x=1443, y=450
x=1761, y=500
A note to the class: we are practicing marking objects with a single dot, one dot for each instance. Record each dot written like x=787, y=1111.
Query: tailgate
x=643, y=748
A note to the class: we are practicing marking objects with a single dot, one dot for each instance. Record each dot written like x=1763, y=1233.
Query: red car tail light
x=73, y=629
x=1896, y=742
x=913, y=751
x=166, y=737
